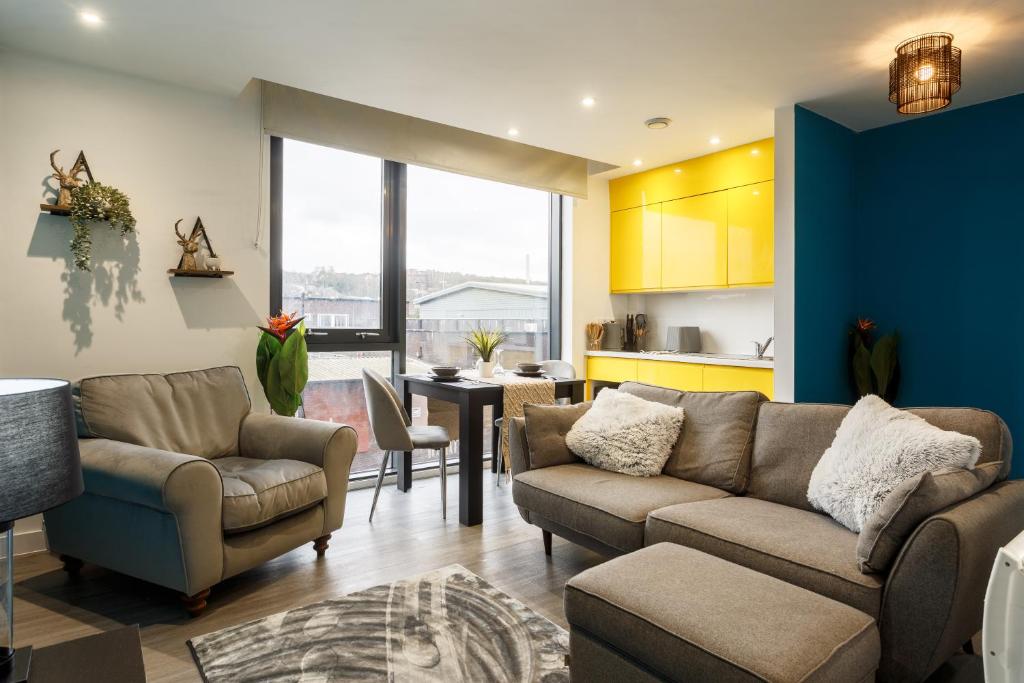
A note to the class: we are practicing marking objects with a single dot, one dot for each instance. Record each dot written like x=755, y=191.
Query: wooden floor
x=407, y=537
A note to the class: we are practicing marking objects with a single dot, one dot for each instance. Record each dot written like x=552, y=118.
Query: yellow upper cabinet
x=636, y=249
x=751, y=235
x=694, y=242
x=743, y=165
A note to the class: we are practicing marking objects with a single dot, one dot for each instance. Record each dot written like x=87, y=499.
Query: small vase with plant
x=874, y=365
x=485, y=343
x=282, y=362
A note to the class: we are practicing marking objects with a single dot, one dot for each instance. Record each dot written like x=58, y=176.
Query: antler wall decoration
x=189, y=246
x=69, y=180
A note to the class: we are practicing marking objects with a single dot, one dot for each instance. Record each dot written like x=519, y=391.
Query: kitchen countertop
x=702, y=358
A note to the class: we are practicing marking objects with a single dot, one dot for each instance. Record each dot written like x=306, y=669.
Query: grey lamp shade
x=39, y=465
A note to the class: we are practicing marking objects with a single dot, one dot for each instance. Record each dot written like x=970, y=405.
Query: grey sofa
x=735, y=487
x=185, y=486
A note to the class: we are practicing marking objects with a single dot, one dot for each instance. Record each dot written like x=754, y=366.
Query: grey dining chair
x=394, y=431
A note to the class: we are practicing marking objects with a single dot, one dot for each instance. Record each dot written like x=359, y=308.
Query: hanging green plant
x=96, y=202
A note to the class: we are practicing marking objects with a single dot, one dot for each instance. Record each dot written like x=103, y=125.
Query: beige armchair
x=185, y=487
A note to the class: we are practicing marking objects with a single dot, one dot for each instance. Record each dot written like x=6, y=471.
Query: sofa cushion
x=625, y=433
x=912, y=502
x=791, y=438
x=546, y=427
x=717, y=435
x=602, y=505
x=689, y=616
x=195, y=413
x=878, y=447
x=258, y=492
x=806, y=549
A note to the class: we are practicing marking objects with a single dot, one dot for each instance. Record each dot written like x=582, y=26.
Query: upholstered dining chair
x=394, y=431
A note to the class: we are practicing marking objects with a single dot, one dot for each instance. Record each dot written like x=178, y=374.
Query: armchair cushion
x=258, y=492
x=196, y=413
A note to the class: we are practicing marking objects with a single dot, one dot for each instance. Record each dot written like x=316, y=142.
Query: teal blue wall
x=824, y=205
x=934, y=246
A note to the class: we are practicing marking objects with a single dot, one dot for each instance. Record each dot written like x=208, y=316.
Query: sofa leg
x=320, y=545
x=195, y=604
x=72, y=565
x=547, y=542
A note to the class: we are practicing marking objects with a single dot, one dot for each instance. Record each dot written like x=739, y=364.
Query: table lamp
x=39, y=470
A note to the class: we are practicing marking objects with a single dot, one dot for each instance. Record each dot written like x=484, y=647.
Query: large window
x=393, y=265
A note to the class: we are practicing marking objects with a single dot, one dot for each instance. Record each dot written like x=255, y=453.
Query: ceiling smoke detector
x=658, y=122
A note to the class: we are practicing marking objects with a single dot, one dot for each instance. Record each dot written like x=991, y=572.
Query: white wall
x=785, y=256
x=176, y=153
x=729, y=321
x=586, y=270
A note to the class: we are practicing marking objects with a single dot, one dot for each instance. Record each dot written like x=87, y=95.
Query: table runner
x=517, y=391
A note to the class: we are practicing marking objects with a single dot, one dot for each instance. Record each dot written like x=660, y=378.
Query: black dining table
x=471, y=396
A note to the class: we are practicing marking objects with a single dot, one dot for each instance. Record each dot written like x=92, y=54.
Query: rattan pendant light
x=925, y=73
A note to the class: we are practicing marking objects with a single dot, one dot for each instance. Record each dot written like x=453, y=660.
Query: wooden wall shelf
x=199, y=273
x=56, y=209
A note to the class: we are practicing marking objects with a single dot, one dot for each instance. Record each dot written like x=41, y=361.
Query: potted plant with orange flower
x=282, y=362
x=874, y=365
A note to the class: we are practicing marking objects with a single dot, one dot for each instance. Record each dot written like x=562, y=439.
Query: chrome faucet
x=760, y=348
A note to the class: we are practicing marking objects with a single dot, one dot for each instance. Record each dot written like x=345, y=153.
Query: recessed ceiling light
x=715, y=140
x=754, y=152
x=638, y=162
x=513, y=132
x=588, y=102
x=90, y=18
x=658, y=122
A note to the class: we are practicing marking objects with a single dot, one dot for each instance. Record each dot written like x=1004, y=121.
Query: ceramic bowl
x=528, y=367
x=445, y=371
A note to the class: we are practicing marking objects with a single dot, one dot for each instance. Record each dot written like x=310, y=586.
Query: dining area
x=470, y=405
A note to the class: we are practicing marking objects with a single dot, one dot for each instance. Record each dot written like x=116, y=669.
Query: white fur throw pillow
x=876, y=448
x=624, y=433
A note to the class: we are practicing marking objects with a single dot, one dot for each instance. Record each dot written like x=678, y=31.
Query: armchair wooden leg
x=320, y=545
x=72, y=565
x=547, y=542
x=195, y=604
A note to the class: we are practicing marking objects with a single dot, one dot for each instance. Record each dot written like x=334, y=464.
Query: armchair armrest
x=162, y=480
x=325, y=444
x=935, y=593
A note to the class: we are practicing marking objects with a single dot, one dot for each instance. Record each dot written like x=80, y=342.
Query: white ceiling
x=716, y=67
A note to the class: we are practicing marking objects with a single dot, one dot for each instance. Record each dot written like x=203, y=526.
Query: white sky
x=331, y=217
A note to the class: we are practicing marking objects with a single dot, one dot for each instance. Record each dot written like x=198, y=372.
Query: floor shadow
x=113, y=280
x=211, y=303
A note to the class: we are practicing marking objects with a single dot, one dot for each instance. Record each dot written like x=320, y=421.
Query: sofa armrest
x=518, y=449
x=328, y=445
x=162, y=480
x=934, y=596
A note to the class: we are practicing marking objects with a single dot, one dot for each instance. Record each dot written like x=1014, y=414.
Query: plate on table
x=539, y=373
x=439, y=378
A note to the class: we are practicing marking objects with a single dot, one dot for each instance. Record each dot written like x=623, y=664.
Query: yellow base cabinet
x=694, y=242
x=681, y=376
x=751, y=235
x=731, y=378
x=636, y=249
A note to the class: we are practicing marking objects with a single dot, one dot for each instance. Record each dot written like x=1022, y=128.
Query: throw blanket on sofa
x=517, y=392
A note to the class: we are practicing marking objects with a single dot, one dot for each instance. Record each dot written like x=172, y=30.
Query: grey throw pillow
x=876, y=448
x=546, y=427
x=912, y=502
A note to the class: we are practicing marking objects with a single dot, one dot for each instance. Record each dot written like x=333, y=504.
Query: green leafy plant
x=874, y=365
x=96, y=202
x=282, y=362
x=486, y=342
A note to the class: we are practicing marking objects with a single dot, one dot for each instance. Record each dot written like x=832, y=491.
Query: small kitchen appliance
x=683, y=339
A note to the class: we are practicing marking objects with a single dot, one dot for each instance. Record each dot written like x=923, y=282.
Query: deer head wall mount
x=69, y=180
x=189, y=245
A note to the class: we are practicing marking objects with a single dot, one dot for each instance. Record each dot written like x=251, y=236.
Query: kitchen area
x=691, y=276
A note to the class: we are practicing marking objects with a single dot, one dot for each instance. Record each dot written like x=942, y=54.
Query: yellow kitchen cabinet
x=636, y=249
x=671, y=374
x=751, y=234
x=694, y=242
x=731, y=378
x=610, y=369
x=743, y=165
